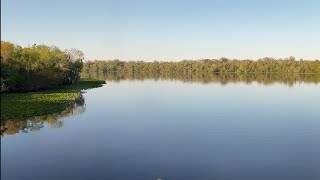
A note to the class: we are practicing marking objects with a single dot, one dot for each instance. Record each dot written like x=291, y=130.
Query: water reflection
x=265, y=79
x=25, y=125
x=175, y=130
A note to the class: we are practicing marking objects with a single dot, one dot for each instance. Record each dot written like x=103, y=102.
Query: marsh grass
x=18, y=105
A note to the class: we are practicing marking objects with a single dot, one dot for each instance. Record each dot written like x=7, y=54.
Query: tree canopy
x=38, y=67
x=223, y=65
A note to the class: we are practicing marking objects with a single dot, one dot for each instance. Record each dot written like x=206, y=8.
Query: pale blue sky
x=167, y=29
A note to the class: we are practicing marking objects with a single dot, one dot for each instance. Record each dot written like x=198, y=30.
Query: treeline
x=223, y=65
x=38, y=67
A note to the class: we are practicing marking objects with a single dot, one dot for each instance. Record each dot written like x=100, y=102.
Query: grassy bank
x=17, y=105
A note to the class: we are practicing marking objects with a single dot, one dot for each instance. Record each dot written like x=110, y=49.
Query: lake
x=170, y=128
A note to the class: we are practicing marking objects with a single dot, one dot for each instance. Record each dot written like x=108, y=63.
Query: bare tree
x=75, y=55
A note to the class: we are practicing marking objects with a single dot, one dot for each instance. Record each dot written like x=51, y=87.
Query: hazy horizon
x=167, y=30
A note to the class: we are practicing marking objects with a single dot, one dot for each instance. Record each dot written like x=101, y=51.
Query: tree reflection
x=222, y=78
x=25, y=125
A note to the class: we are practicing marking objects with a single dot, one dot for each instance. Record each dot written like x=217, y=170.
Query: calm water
x=169, y=129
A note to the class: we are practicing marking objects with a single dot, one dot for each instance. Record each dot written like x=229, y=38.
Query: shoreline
x=29, y=104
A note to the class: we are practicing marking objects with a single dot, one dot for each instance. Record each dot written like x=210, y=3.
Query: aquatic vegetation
x=18, y=105
x=35, y=123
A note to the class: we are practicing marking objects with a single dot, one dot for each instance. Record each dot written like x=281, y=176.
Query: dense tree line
x=223, y=65
x=38, y=67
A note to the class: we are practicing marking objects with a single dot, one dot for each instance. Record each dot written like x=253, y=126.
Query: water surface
x=172, y=129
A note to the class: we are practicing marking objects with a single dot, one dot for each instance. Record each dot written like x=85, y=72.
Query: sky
x=168, y=30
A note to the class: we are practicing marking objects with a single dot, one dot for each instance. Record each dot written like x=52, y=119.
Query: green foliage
x=38, y=67
x=266, y=70
x=265, y=65
x=17, y=105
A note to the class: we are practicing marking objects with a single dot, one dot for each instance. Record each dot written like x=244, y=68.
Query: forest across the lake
x=266, y=70
x=266, y=65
